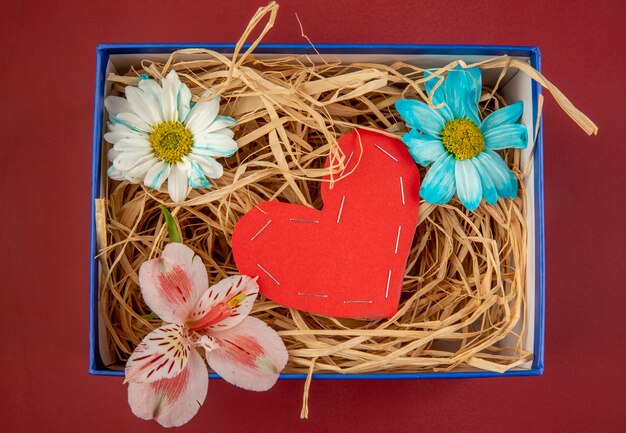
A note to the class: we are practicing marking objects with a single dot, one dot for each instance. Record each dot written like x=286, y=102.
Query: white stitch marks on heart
x=347, y=162
x=402, y=191
x=259, y=232
x=298, y=220
x=343, y=199
x=316, y=295
x=398, y=239
x=357, y=301
x=268, y=274
x=386, y=153
x=388, y=281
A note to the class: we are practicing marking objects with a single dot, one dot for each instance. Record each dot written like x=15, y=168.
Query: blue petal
x=197, y=179
x=439, y=185
x=438, y=96
x=505, y=136
x=462, y=90
x=490, y=194
x=503, y=116
x=423, y=148
x=420, y=116
x=468, y=184
x=503, y=178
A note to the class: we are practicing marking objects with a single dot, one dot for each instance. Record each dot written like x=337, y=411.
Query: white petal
x=224, y=131
x=116, y=105
x=184, y=99
x=221, y=123
x=157, y=175
x=127, y=160
x=115, y=174
x=202, y=115
x=138, y=173
x=172, y=402
x=152, y=95
x=177, y=183
x=211, y=168
x=120, y=132
x=133, y=122
x=214, y=145
x=142, y=106
x=197, y=178
x=133, y=145
x=112, y=154
x=169, y=102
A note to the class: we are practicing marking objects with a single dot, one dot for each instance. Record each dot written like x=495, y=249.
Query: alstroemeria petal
x=177, y=183
x=202, y=115
x=162, y=354
x=504, y=116
x=225, y=304
x=172, y=402
x=439, y=184
x=420, y=116
x=503, y=178
x=250, y=355
x=468, y=184
x=423, y=148
x=505, y=136
x=172, y=284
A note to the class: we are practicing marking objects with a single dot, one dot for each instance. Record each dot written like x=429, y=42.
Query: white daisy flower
x=158, y=134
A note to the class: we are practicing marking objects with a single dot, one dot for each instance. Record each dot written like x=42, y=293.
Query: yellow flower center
x=171, y=141
x=462, y=138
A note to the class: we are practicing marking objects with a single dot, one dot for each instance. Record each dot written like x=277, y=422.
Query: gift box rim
x=103, y=51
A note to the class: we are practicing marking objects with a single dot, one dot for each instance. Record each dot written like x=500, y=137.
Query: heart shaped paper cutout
x=348, y=259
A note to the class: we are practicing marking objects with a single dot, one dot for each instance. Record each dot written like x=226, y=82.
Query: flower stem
x=150, y=316
x=172, y=226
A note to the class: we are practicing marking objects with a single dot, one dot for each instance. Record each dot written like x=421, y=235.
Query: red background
x=46, y=96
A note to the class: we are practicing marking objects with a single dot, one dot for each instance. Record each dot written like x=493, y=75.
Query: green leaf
x=150, y=316
x=172, y=227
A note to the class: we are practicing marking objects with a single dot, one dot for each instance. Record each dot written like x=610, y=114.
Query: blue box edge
x=103, y=51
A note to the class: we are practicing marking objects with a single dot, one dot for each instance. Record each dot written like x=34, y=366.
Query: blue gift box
x=111, y=56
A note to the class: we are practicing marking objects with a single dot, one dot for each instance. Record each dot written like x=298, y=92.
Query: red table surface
x=46, y=99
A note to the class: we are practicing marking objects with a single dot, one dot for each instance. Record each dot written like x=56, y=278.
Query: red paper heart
x=348, y=259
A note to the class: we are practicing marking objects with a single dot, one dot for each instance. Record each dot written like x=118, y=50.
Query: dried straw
x=464, y=285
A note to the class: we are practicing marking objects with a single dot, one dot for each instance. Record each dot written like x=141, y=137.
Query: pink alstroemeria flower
x=167, y=377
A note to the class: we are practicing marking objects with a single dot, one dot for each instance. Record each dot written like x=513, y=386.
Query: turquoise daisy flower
x=459, y=145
